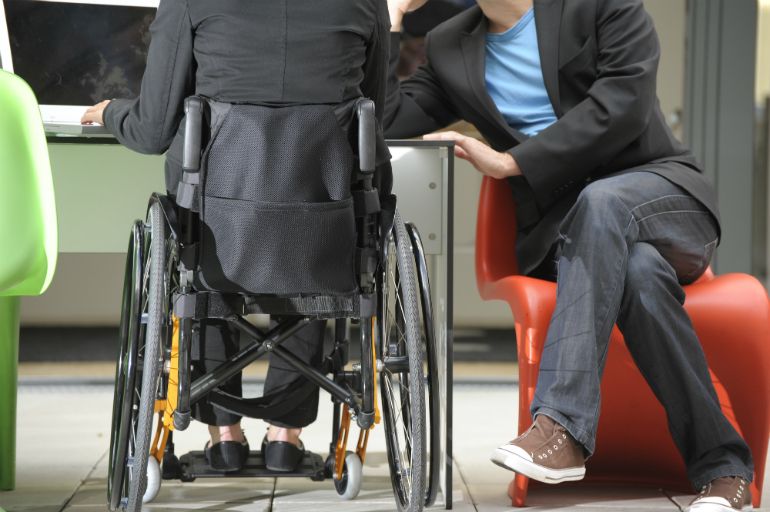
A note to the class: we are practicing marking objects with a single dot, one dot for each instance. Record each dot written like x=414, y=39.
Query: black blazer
x=600, y=63
x=267, y=52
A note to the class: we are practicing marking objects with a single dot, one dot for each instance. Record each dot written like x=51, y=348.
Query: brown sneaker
x=546, y=453
x=726, y=494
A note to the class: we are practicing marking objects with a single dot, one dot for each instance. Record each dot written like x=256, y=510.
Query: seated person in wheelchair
x=270, y=53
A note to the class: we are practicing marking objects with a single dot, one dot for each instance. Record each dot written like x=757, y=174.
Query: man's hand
x=397, y=10
x=95, y=114
x=485, y=159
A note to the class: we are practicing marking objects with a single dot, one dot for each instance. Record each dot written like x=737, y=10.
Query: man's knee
x=600, y=193
x=603, y=202
x=599, y=211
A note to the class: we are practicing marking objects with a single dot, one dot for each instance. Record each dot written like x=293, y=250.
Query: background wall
x=670, y=18
x=720, y=123
x=763, y=132
x=763, y=52
x=86, y=288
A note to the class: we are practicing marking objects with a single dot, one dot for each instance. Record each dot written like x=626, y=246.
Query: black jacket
x=600, y=63
x=267, y=52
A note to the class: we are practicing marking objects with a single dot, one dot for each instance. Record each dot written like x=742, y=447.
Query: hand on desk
x=95, y=114
x=485, y=159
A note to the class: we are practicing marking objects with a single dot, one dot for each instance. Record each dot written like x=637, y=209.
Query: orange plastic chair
x=731, y=314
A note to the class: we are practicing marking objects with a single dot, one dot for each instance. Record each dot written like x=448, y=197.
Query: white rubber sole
x=515, y=459
x=715, y=507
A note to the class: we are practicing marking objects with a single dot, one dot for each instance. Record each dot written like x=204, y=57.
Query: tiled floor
x=64, y=435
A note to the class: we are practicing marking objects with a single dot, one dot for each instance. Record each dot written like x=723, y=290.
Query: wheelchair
x=168, y=290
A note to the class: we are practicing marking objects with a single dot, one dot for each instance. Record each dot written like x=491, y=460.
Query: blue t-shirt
x=514, y=77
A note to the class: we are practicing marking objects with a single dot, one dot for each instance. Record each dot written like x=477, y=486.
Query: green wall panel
x=100, y=190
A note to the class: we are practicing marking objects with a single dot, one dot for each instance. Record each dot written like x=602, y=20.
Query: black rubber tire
x=136, y=388
x=125, y=371
x=427, y=335
x=152, y=357
x=402, y=385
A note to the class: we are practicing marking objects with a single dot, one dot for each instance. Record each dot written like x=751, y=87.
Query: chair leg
x=9, y=357
x=517, y=490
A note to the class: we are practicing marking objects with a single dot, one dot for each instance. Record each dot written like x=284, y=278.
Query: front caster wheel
x=352, y=473
x=153, y=480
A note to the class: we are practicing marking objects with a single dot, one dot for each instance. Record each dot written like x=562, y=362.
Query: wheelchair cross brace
x=263, y=344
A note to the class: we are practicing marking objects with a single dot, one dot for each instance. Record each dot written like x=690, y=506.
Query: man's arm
x=419, y=104
x=615, y=113
x=148, y=123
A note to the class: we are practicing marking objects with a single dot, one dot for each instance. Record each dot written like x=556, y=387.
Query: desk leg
x=9, y=358
x=442, y=306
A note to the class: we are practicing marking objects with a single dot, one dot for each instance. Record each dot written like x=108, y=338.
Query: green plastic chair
x=28, y=240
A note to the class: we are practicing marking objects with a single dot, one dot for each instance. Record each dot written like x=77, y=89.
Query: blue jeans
x=624, y=250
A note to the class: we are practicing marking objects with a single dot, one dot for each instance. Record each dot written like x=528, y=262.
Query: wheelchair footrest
x=194, y=465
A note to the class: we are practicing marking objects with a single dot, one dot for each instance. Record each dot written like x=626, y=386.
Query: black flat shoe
x=227, y=456
x=282, y=456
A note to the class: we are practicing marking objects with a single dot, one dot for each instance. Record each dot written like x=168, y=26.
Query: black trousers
x=216, y=341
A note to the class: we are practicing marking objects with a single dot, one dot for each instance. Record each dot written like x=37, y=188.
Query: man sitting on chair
x=609, y=204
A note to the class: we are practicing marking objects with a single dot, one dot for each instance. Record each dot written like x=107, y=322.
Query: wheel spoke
x=403, y=461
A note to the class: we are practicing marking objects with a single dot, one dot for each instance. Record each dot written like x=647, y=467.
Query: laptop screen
x=77, y=53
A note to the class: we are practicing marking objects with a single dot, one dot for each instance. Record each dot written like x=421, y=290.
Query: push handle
x=193, y=131
x=367, y=141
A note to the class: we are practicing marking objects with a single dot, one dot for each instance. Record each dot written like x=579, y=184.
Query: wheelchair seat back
x=276, y=212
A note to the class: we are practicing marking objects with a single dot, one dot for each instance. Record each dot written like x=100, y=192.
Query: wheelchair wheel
x=139, y=362
x=402, y=381
x=427, y=335
x=349, y=485
x=125, y=371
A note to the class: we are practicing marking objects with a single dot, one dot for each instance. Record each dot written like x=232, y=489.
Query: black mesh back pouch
x=276, y=211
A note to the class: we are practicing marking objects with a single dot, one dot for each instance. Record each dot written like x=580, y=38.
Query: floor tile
x=64, y=459
x=232, y=494
x=485, y=416
x=376, y=491
x=598, y=498
x=33, y=508
x=461, y=498
x=63, y=432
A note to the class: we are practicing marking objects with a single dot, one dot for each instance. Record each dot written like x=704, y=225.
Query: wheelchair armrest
x=187, y=190
x=367, y=138
x=191, y=157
